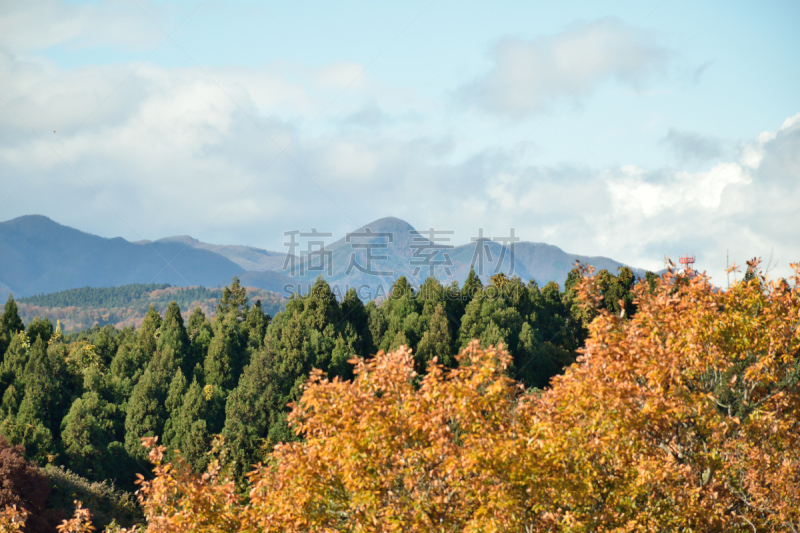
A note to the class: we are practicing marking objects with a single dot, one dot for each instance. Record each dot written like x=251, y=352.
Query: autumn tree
x=681, y=418
x=25, y=488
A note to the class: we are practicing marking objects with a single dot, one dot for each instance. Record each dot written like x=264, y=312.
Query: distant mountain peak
x=31, y=221
x=183, y=239
x=387, y=224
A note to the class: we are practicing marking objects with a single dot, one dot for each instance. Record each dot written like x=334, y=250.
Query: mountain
x=397, y=249
x=38, y=255
x=247, y=257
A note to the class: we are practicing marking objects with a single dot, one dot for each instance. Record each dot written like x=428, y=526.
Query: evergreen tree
x=233, y=302
x=309, y=334
x=127, y=367
x=255, y=414
x=376, y=324
x=16, y=357
x=491, y=320
x=175, y=394
x=255, y=326
x=190, y=431
x=146, y=412
x=356, y=314
x=148, y=332
x=616, y=290
x=226, y=354
x=10, y=324
x=472, y=286
x=560, y=317
x=10, y=404
x=436, y=342
x=38, y=410
x=40, y=327
x=106, y=343
x=87, y=432
x=172, y=337
x=403, y=320
x=200, y=334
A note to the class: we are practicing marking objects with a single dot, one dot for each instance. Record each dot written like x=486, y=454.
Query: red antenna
x=688, y=262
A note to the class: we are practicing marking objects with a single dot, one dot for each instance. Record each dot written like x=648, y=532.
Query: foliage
x=84, y=400
x=682, y=418
x=23, y=492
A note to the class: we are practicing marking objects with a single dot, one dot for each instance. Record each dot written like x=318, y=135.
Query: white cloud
x=40, y=24
x=749, y=207
x=529, y=76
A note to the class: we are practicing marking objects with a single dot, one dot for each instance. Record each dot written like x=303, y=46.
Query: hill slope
x=127, y=305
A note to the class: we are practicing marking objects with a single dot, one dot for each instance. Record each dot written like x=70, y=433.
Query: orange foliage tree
x=682, y=418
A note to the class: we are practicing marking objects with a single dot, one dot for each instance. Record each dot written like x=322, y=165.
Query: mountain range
x=39, y=255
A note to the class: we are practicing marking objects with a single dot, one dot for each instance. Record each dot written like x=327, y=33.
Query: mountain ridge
x=39, y=255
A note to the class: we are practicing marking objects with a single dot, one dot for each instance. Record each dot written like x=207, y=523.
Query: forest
x=464, y=420
x=127, y=305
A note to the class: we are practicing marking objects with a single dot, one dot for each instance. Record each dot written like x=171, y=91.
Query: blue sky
x=635, y=130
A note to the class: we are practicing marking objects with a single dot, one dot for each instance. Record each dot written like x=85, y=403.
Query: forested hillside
x=127, y=305
x=85, y=400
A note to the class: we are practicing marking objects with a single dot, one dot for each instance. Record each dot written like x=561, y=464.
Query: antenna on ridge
x=688, y=263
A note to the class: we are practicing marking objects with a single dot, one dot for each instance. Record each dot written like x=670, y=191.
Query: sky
x=632, y=130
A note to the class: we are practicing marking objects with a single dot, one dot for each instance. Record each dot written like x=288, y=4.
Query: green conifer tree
x=255, y=326
x=146, y=412
x=87, y=432
x=190, y=431
x=10, y=324
x=200, y=334
x=127, y=367
x=436, y=341
x=403, y=320
x=226, y=354
x=175, y=394
x=39, y=409
x=173, y=339
x=356, y=314
x=148, y=332
x=233, y=302
x=491, y=320
x=16, y=357
x=40, y=327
